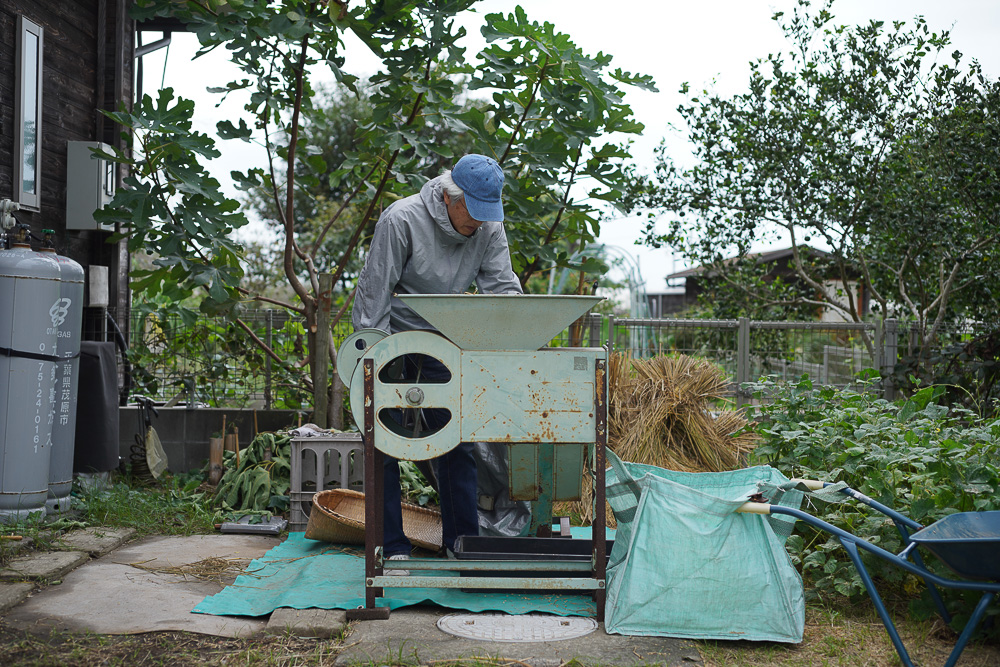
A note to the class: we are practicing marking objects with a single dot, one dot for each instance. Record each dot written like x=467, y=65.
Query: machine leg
x=374, y=493
x=600, y=462
x=541, y=507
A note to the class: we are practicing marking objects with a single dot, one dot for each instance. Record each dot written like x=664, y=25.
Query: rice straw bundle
x=669, y=411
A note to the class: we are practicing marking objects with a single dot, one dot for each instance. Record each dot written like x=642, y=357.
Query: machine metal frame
x=523, y=574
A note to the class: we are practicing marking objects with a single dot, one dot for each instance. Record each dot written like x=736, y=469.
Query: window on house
x=28, y=115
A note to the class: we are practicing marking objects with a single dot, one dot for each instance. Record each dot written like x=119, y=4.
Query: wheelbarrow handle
x=751, y=507
x=811, y=484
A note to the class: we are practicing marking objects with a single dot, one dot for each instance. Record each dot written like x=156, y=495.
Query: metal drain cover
x=523, y=628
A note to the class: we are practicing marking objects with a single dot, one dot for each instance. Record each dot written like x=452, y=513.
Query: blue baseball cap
x=481, y=179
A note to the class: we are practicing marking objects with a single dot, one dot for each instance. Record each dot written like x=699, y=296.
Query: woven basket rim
x=421, y=525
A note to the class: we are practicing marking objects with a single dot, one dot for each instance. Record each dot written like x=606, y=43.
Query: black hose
x=126, y=366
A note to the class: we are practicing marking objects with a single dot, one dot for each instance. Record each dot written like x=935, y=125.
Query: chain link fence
x=214, y=362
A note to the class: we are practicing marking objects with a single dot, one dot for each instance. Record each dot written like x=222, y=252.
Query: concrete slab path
x=152, y=585
x=95, y=541
x=111, y=595
x=411, y=636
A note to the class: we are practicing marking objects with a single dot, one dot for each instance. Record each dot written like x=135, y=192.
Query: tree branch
x=524, y=114
x=336, y=216
x=256, y=339
x=291, y=248
x=343, y=309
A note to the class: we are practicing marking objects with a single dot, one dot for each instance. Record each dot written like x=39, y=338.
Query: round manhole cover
x=524, y=628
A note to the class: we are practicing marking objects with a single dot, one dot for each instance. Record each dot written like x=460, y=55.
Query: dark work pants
x=455, y=471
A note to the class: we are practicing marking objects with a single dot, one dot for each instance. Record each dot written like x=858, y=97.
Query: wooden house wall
x=87, y=65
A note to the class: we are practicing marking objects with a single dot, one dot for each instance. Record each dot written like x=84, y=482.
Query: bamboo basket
x=338, y=515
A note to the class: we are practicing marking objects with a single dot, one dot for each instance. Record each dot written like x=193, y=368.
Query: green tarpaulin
x=685, y=564
x=305, y=574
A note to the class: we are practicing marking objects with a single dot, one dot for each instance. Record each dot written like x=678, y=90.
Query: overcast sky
x=704, y=43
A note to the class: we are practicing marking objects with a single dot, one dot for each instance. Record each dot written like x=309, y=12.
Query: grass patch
x=173, y=506
x=850, y=636
x=181, y=649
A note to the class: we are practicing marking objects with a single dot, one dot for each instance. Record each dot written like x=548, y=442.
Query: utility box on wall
x=90, y=184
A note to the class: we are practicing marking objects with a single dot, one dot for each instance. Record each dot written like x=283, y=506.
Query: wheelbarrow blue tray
x=967, y=542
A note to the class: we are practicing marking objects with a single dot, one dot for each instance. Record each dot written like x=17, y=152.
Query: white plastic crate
x=321, y=463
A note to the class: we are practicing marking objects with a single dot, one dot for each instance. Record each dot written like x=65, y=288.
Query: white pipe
x=811, y=484
x=754, y=508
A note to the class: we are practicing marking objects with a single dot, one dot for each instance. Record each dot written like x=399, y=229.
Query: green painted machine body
x=500, y=321
x=547, y=404
x=538, y=401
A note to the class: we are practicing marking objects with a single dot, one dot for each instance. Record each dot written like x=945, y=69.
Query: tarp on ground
x=305, y=574
x=685, y=564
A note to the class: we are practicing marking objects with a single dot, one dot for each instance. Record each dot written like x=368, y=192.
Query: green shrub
x=922, y=459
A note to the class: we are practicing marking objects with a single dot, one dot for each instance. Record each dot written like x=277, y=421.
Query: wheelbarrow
x=968, y=543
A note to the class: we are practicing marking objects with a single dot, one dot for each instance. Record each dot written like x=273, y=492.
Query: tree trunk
x=320, y=353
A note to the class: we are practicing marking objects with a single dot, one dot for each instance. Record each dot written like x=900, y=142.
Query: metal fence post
x=269, y=318
x=878, y=362
x=742, y=360
x=890, y=354
x=595, y=320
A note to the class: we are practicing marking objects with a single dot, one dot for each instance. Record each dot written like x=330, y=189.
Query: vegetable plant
x=921, y=458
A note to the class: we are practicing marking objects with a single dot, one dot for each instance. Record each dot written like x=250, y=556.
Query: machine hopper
x=500, y=321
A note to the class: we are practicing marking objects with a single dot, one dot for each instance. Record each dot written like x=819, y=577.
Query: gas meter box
x=90, y=184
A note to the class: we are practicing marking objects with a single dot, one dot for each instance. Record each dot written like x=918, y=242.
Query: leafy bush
x=968, y=369
x=415, y=487
x=920, y=458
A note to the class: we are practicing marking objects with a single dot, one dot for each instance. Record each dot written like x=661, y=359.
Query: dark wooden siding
x=88, y=46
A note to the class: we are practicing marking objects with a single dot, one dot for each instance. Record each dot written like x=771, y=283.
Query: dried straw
x=670, y=412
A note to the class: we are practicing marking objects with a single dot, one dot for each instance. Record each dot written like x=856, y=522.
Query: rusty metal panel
x=543, y=396
x=567, y=472
x=523, y=471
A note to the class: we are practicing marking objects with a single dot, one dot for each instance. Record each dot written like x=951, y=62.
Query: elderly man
x=439, y=241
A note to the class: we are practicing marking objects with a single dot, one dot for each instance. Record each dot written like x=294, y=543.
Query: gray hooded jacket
x=416, y=250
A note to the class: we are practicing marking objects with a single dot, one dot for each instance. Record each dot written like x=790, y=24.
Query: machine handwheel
x=353, y=348
x=417, y=395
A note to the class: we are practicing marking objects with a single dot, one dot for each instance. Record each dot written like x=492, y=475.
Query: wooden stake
x=215, y=448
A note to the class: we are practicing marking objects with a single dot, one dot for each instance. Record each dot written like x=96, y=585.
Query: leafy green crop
x=922, y=459
x=258, y=479
x=415, y=486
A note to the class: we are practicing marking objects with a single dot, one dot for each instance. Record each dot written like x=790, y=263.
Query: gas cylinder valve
x=7, y=208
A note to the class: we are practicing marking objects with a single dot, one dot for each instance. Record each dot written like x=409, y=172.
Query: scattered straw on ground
x=214, y=569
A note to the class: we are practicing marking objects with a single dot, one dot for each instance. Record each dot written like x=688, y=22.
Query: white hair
x=455, y=193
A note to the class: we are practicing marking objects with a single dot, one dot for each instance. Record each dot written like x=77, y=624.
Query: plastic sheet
x=498, y=514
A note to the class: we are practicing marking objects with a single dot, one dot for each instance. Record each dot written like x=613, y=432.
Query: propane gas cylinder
x=67, y=318
x=29, y=291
